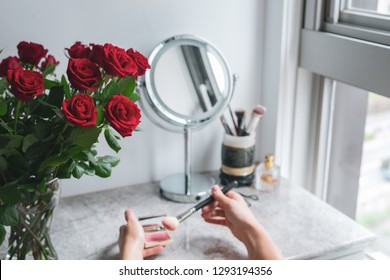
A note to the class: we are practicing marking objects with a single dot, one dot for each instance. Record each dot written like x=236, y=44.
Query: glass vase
x=30, y=238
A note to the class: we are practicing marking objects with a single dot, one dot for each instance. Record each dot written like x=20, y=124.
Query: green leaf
x=56, y=96
x=3, y=163
x=49, y=84
x=49, y=69
x=74, y=150
x=6, y=127
x=18, y=163
x=85, y=136
x=28, y=140
x=42, y=129
x=87, y=169
x=8, y=215
x=3, y=108
x=111, y=141
x=31, y=187
x=113, y=161
x=103, y=170
x=42, y=186
x=45, y=103
x=66, y=170
x=65, y=86
x=10, y=141
x=107, y=92
x=2, y=234
x=37, y=150
x=59, y=113
x=54, y=161
x=135, y=97
x=85, y=156
x=3, y=85
x=10, y=195
x=51, y=102
x=100, y=115
x=125, y=86
x=78, y=171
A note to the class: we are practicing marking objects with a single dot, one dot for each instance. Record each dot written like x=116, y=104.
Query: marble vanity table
x=304, y=227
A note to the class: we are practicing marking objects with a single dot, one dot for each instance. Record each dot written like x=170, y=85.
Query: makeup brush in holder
x=238, y=149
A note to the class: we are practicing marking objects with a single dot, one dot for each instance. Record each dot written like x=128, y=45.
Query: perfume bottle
x=267, y=174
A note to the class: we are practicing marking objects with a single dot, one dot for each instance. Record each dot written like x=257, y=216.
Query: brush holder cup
x=238, y=159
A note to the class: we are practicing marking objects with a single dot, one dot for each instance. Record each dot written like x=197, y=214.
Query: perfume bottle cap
x=269, y=161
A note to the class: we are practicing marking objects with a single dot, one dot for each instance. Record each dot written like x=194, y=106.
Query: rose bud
x=9, y=63
x=78, y=50
x=49, y=60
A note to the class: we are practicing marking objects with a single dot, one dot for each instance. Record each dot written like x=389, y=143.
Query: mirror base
x=173, y=187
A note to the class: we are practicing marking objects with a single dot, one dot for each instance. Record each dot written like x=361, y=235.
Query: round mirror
x=188, y=85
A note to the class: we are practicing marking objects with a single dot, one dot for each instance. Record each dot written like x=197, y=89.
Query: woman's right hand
x=231, y=210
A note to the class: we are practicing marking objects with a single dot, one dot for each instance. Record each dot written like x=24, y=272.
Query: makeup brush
x=150, y=217
x=225, y=125
x=242, y=127
x=240, y=115
x=171, y=223
x=233, y=120
x=257, y=113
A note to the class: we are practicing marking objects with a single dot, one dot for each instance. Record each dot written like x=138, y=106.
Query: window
x=363, y=19
x=344, y=55
x=373, y=205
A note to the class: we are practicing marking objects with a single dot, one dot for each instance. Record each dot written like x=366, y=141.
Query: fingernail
x=215, y=188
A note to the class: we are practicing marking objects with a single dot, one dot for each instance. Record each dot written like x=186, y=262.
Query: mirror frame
x=155, y=108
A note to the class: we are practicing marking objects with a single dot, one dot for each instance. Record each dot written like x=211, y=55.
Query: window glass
x=373, y=206
x=374, y=6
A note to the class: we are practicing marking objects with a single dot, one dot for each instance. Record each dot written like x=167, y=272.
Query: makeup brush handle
x=253, y=123
x=210, y=199
x=204, y=202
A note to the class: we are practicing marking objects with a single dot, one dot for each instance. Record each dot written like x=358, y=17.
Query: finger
x=210, y=207
x=235, y=196
x=122, y=229
x=130, y=217
x=219, y=196
x=218, y=212
x=153, y=251
x=216, y=221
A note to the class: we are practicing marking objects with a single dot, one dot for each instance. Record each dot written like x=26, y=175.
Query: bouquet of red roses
x=49, y=125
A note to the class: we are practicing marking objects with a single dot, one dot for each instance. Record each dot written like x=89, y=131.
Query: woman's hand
x=132, y=240
x=231, y=210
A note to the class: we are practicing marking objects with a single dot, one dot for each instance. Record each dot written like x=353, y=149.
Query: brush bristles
x=259, y=110
x=239, y=113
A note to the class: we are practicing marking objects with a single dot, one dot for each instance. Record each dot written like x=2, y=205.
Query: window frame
x=355, y=23
x=335, y=60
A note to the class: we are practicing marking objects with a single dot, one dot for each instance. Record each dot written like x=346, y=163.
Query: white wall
x=234, y=26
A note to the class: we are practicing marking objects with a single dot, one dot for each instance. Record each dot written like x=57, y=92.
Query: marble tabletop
x=302, y=226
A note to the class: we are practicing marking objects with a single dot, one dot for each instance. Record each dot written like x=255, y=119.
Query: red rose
x=83, y=74
x=96, y=54
x=9, y=63
x=25, y=84
x=122, y=114
x=80, y=110
x=140, y=60
x=31, y=53
x=78, y=50
x=116, y=62
x=49, y=60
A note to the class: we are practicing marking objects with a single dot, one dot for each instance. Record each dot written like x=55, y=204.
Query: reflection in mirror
x=189, y=85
